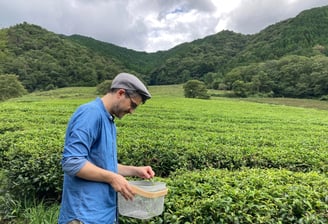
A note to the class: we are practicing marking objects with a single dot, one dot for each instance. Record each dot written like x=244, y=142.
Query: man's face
x=126, y=104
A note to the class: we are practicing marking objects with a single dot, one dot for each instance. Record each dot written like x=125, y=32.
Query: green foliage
x=41, y=213
x=246, y=196
x=240, y=88
x=141, y=62
x=194, y=60
x=34, y=161
x=226, y=50
x=10, y=87
x=44, y=60
x=195, y=89
x=104, y=87
x=10, y=208
x=31, y=149
x=262, y=162
x=324, y=98
x=290, y=76
x=27, y=211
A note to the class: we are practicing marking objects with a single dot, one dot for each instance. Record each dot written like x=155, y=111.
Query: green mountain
x=45, y=60
x=142, y=62
x=298, y=36
x=219, y=53
x=302, y=35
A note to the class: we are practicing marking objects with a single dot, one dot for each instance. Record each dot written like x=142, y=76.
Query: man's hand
x=121, y=185
x=91, y=172
x=145, y=172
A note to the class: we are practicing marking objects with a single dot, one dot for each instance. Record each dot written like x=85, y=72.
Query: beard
x=118, y=112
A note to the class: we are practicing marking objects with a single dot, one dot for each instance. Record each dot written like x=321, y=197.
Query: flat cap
x=130, y=82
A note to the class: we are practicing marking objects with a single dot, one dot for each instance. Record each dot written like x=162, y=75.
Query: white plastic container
x=148, y=201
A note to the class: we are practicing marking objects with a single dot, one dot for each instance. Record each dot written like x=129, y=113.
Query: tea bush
x=33, y=165
x=167, y=134
x=245, y=196
x=285, y=146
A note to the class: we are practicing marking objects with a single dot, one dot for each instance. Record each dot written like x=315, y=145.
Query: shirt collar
x=109, y=115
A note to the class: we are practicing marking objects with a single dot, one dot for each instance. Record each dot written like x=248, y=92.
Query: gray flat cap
x=130, y=82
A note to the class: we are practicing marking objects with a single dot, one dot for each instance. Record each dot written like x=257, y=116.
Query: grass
x=42, y=213
x=28, y=212
x=62, y=93
x=167, y=91
x=305, y=103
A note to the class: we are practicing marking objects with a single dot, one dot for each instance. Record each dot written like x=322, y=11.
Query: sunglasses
x=133, y=104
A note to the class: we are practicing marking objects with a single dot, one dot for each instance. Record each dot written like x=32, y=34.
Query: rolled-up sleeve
x=72, y=165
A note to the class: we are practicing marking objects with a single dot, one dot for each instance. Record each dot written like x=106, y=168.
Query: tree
x=104, y=87
x=195, y=89
x=10, y=87
x=240, y=88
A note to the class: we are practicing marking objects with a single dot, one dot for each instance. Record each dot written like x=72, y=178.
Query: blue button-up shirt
x=90, y=136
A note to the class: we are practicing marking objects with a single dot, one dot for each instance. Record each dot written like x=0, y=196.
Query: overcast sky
x=151, y=25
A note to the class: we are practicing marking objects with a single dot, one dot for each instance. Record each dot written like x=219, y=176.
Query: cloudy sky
x=151, y=25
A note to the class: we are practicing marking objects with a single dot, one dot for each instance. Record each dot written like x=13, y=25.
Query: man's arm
x=138, y=171
x=94, y=173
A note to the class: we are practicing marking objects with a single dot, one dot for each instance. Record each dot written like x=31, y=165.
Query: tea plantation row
x=224, y=161
x=244, y=196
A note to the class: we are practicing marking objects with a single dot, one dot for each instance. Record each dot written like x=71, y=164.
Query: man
x=92, y=175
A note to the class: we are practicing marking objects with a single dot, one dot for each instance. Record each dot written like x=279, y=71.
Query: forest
x=286, y=59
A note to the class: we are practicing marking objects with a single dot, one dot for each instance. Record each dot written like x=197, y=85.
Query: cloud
x=185, y=19
x=150, y=25
x=251, y=16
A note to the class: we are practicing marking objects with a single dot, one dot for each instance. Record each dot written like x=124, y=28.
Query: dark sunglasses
x=133, y=104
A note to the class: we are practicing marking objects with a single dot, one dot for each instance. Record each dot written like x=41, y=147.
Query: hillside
x=302, y=35
x=142, y=62
x=45, y=60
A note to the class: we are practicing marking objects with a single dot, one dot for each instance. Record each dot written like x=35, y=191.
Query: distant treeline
x=286, y=59
x=44, y=60
x=290, y=76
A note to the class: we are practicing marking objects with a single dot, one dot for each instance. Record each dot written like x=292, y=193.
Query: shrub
x=324, y=98
x=195, y=89
x=245, y=196
x=10, y=87
x=32, y=165
x=144, y=152
x=104, y=87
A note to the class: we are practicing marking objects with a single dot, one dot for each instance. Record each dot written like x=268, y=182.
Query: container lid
x=149, y=189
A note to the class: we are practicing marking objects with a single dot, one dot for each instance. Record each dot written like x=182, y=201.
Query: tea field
x=224, y=160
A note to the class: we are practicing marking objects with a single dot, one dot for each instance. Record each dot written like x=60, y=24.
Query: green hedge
x=31, y=161
x=171, y=134
x=245, y=196
x=167, y=156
